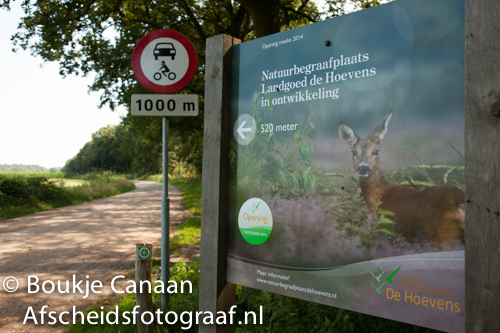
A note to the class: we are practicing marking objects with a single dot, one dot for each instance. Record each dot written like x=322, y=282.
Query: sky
x=45, y=119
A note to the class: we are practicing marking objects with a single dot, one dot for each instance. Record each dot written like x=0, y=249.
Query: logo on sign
x=255, y=221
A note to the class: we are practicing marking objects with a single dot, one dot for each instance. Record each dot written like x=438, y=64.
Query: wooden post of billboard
x=482, y=149
x=215, y=293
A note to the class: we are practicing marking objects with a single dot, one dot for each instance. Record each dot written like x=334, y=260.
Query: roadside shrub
x=19, y=191
x=101, y=178
x=48, y=175
x=21, y=195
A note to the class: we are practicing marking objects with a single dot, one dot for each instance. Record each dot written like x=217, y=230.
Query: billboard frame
x=482, y=137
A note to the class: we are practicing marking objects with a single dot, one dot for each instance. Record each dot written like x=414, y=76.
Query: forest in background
x=26, y=168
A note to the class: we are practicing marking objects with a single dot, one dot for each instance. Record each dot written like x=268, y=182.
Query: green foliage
x=187, y=301
x=187, y=233
x=32, y=191
x=384, y=225
x=303, y=139
x=107, y=151
x=349, y=210
x=25, y=168
x=48, y=175
x=268, y=162
x=101, y=178
x=152, y=178
x=179, y=302
x=369, y=3
x=84, y=193
x=422, y=176
x=25, y=195
x=190, y=188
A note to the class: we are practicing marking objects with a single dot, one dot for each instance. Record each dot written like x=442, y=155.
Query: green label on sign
x=255, y=221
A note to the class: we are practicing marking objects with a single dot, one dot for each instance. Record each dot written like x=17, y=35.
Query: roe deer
x=435, y=214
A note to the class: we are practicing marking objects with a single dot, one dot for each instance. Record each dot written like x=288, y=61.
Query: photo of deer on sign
x=435, y=214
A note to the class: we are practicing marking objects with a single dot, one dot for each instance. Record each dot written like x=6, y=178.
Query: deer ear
x=346, y=134
x=379, y=131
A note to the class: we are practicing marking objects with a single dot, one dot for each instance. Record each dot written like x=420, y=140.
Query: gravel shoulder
x=91, y=241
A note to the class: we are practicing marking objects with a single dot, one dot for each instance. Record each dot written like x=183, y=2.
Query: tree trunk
x=265, y=15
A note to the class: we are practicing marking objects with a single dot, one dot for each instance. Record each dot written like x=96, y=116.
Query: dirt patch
x=92, y=241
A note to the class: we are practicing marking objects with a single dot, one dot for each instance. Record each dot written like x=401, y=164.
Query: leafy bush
x=101, y=178
x=19, y=191
x=48, y=175
x=20, y=195
x=96, y=190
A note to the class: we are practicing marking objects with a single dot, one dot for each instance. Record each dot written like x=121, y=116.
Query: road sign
x=164, y=61
x=164, y=105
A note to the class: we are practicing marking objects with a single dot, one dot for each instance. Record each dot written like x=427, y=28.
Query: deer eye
x=375, y=152
x=354, y=153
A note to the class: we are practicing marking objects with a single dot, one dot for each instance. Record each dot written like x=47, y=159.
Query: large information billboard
x=347, y=166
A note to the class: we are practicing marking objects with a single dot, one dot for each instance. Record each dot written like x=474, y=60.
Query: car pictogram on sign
x=164, y=61
x=164, y=50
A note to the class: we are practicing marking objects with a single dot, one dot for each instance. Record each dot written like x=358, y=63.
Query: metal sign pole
x=165, y=222
x=161, y=104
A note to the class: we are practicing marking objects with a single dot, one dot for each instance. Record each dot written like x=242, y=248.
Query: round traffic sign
x=164, y=61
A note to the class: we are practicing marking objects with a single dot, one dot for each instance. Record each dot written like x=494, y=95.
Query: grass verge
x=21, y=195
x=189, y=231
x=180, y=303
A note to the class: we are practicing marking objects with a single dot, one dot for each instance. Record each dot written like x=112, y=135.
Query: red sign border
x=147, y=83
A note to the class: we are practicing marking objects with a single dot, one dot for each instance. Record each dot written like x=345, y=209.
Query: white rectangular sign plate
x=164, y=105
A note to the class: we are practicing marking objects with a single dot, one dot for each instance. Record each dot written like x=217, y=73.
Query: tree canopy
x=90, y=36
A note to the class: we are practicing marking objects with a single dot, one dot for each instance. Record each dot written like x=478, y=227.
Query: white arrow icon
x=242, y=130
x=244, y=135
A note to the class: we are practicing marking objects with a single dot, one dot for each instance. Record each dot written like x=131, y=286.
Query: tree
x=87, y=36
x=109, y=149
